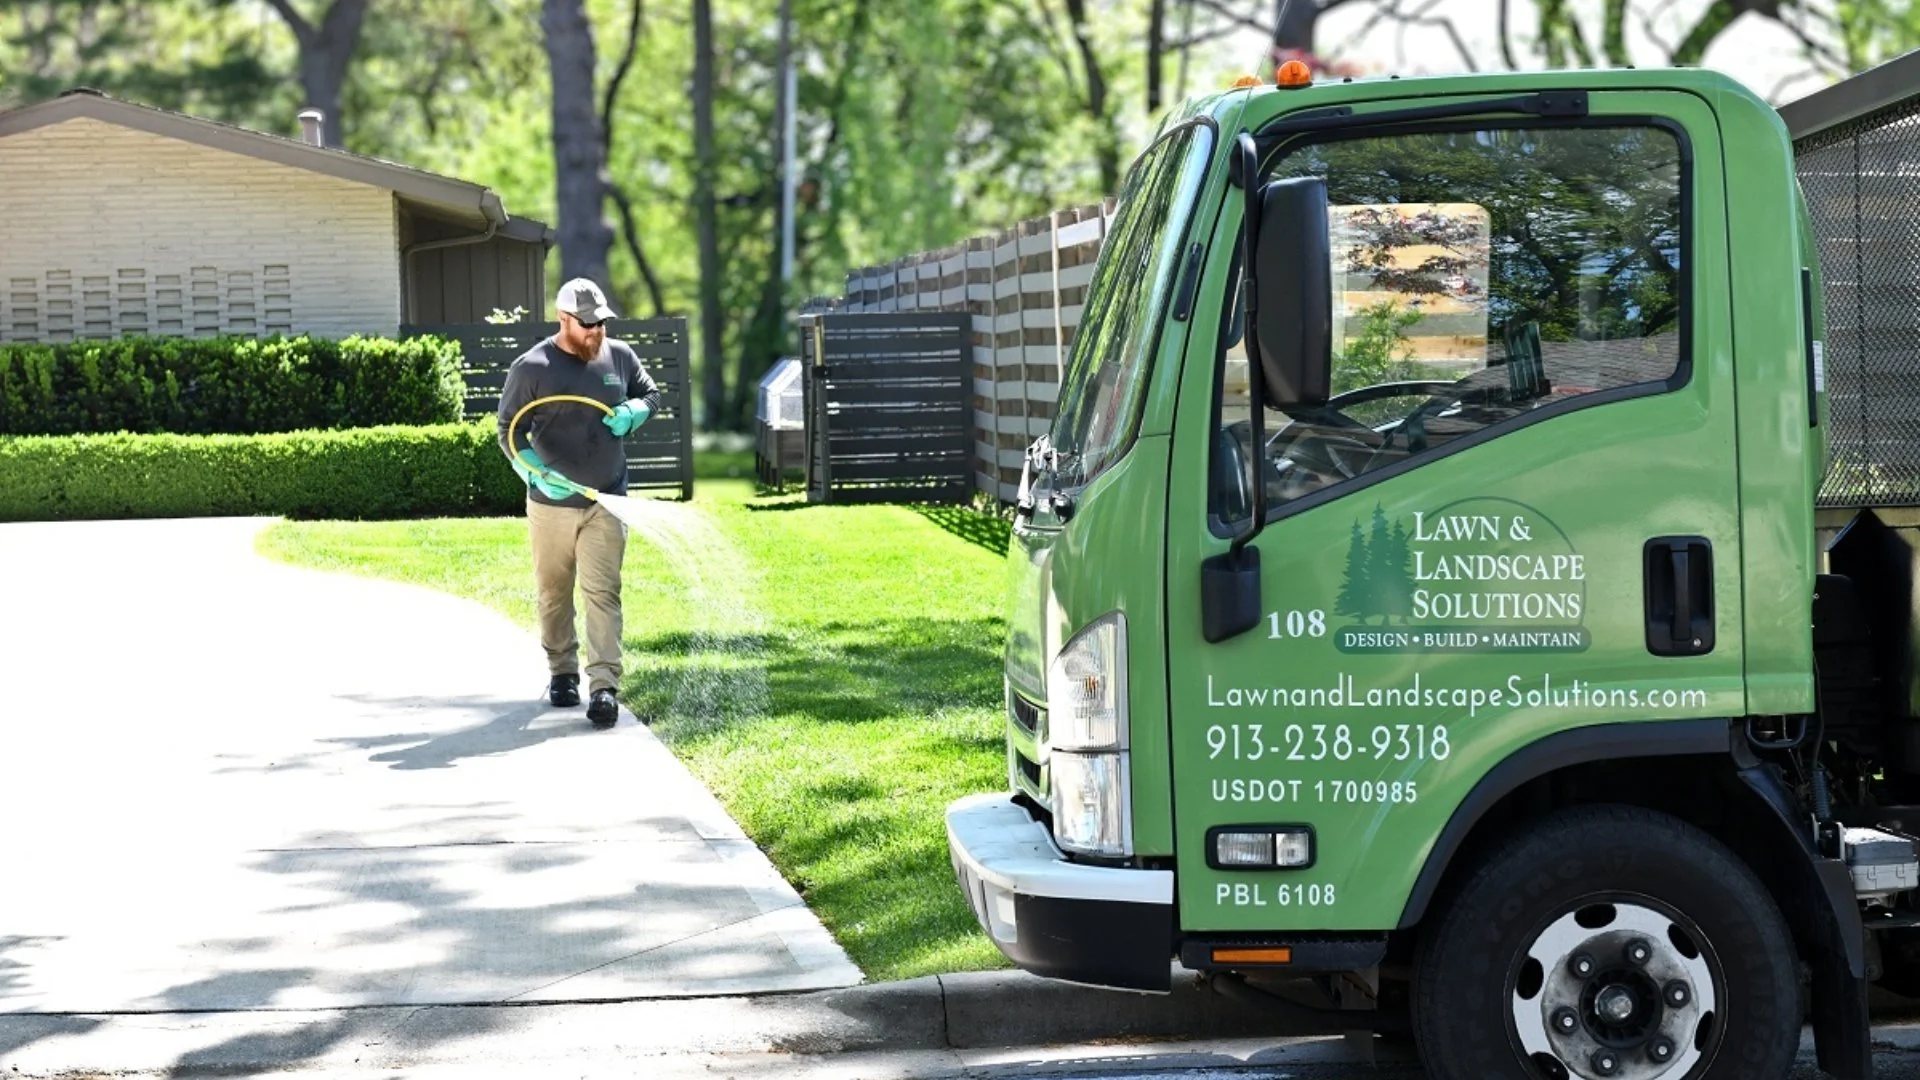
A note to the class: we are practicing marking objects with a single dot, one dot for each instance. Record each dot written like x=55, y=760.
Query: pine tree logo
x=1379, y=574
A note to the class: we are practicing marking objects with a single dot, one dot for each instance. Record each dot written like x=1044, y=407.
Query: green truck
x=1449, y=585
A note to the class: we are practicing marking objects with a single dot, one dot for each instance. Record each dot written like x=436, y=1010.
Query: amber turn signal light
x=1278, y=955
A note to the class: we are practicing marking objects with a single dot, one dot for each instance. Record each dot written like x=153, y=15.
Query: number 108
x=1295, y=624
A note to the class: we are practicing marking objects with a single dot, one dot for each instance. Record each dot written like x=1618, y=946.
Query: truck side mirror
x=1230, y=581
x=1293, y=277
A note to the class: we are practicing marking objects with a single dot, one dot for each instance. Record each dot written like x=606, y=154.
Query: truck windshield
x=1479, y=276
x=1106, y=370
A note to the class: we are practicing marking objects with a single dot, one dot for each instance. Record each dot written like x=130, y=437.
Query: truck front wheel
x=1608, y=943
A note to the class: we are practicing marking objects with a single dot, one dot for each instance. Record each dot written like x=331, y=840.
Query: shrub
x=383, y=472
x=227, y=385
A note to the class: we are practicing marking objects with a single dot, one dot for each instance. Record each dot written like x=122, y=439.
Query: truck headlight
x=1086, y=737
x=1087, y=689
x=1091, y=812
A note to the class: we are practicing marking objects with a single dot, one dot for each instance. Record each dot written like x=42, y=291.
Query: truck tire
x=1607, y=943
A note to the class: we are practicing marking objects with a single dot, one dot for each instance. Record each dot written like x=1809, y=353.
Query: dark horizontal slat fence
x=888, y=405
x=660, y=454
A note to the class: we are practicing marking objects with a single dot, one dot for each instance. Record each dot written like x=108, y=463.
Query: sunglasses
x=585, y=325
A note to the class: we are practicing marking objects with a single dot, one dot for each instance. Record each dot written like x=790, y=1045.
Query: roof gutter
x=490, y=208
x=496, y=216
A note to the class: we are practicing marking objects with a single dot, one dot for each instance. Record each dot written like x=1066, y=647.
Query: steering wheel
x=1331, y=413
x=1332, y=452
x=1230, y=476
x=1409, y=388
x=1415, y=422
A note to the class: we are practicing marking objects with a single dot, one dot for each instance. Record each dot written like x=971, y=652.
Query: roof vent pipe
x=311, y=130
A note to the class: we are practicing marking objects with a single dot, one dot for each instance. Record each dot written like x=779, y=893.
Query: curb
x=997, y=1009
x=970, y=1011
x=976, y=1012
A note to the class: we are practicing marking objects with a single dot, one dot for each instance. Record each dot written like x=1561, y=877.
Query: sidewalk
x=234, y=785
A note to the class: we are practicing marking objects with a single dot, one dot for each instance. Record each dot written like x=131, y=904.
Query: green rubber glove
x=626, y=416
x=537, y=475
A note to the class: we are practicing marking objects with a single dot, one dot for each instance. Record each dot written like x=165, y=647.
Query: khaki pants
x=589, y=544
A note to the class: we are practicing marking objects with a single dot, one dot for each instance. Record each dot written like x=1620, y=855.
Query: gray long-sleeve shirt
x=569, y=436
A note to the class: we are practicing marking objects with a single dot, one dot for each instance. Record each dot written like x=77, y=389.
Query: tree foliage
x=918, y=123
x=181, y=56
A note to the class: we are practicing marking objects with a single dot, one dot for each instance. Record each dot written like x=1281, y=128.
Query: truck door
x=1517, y=515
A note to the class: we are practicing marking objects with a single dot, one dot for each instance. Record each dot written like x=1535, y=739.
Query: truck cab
x=1420, y=596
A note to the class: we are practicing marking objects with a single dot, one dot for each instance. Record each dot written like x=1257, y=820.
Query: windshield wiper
x=1047, y=460
x=1023, y=502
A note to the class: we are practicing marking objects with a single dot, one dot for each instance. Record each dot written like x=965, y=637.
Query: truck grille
x=1030, y=771
x=1024, y=714
x=1026, y=734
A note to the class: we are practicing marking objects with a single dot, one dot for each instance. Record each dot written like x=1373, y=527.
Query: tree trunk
x=1156, y=55
x=325, y=52
x=713, y=372
x=578, y=149
x=1506, y=36
x=652, y=280
x=1714, y=21
x=1297, y=22
x=763, y=339
x=1613, y=34
x=766, y=335
x=1106, y=139
x=635, y=15
x=1294, y=22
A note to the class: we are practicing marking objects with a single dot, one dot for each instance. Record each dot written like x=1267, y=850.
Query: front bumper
x=1099, y=925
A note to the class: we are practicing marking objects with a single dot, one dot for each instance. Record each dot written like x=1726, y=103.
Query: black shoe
x=564, y=691
x=603, y=710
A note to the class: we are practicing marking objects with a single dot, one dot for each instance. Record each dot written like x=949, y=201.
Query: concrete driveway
x=230, y=784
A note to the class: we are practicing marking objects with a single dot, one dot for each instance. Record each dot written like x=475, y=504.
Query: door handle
x=1679, y=595
x=1682, y=599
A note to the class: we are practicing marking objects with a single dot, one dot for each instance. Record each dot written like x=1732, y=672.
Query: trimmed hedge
x=385, y=472
x=228, y=385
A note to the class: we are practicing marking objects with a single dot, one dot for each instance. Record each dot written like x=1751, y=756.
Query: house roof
x=440, y=196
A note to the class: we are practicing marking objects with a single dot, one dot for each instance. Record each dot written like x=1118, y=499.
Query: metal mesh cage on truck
x=1862, y=183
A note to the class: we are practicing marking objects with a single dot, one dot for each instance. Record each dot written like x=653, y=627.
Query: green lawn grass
x=833, y=673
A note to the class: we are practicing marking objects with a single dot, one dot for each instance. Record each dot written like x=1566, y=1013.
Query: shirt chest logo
x=610, y=379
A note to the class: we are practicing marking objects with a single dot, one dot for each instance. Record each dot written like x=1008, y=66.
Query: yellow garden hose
x=545, y=470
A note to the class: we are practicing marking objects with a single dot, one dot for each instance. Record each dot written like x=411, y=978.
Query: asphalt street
x=1242, y=1059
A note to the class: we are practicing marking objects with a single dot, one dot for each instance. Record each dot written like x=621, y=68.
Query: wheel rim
x=1617, y=990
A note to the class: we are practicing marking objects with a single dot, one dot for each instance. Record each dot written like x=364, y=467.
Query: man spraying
x=567, y=447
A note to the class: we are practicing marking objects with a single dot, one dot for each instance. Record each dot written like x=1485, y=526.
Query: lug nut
x=1582, y=966
x=1661, y=1050
x=1639, y=952
x=1605, y=1062
x=1565, y=1021
x=1678, y=995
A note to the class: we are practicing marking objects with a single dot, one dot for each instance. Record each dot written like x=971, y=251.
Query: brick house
x=118, y=218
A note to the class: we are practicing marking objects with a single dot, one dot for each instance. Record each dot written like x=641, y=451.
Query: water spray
x=626, y=508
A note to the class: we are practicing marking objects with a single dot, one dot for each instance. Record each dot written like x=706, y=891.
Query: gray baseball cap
x=583, y=300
